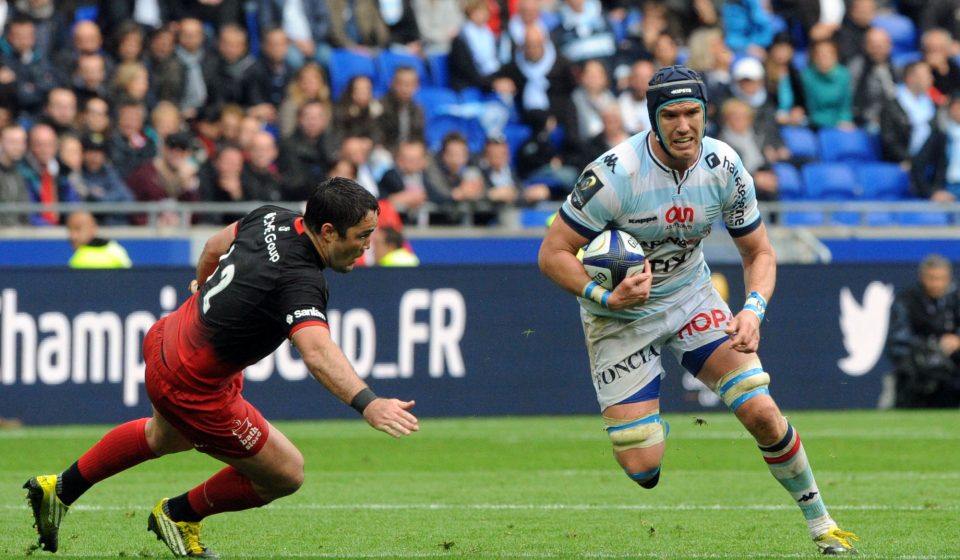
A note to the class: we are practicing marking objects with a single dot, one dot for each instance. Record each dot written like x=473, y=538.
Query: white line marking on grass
x=453, y=553
x=542, y=507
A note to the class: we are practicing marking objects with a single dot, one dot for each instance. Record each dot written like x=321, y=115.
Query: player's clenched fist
x=633, y=290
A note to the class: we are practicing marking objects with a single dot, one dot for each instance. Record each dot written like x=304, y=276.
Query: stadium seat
x=439, y=75
x=789, y=183
x=923, y=219
x=901, y=59
x=883, y=181
x=846, y=145
x=903, y=34
x=435, y=100
x=830, y=181
x=799, y=219
x=441, y=125
x=388, y=62
x=802, y=142
x=87, y=13
x=516, y=134
x=345, y=64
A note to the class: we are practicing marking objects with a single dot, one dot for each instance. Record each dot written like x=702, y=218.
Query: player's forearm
x=563, y=268
x=213, y=249
x=760, y=273
x=331, y=368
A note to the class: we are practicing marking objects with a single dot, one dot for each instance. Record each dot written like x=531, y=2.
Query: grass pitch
x=527, y=488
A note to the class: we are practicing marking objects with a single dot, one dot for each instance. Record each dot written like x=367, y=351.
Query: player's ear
x=328, y=232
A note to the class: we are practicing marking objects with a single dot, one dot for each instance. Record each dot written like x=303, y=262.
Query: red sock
x=123, y=447
x=228, y=490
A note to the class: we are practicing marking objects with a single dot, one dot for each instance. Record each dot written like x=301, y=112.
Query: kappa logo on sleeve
x=586, y=188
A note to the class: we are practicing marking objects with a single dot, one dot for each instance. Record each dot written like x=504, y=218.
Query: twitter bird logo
x=864, y=327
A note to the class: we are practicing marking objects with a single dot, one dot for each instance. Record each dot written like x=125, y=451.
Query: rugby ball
x=612, y=256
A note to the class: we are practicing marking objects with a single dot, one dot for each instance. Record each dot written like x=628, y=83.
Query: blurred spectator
x=261, y=179
x=206, y=129
x=401, y=21
x=748, y=86
x=710, y=56
x=543, y=80
x=500, y=182
x=307, y=26
x=613, y=131
x=231, y=121
x=127, y=43
x=945, y=153
x=474, y=54
x=527, y=15
x=684, y=16
x=665, y=51
x=221, y=180
x=52, y=27
x=90, y=78
x=191, y=50
x=34, y=75
x=439, y=22
x=99, y=180
x=451, y=174
x=389, y=249
x=169, y=176
x=131, y=83
x=89, y=249
x=13, y=187
x=165, y=119
x=747, y=27
x=633, y=100
x=938, y=51
x=356, y=151
x=402, y=118
x=784, y=82
x=826, y=88
x=306, y=154
x=540, y=160
x=130, y=147
x=357, y=112
x=95, y=116
x=357, y=24
x=406, y=185
x=857, y=20
x=590, y=98
x=874, y=79
x=271, y=71
x=906, y=124
x=250, y=126
x=737, y=130
x=151, y=14
x=583, y=33
x=45, y=181
x=213, y=13
x=60, y=111
x=923, y=341
x=309, y=84
x=233, y=73
x=934, y=13
x=86, y=40
x=168, y=74
x=70, y=158
x=818, y=19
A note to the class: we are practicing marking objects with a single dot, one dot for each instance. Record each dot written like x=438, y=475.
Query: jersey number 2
x=226, y=276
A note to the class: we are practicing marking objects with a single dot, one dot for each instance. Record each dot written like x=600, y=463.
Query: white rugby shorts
x=625, y=354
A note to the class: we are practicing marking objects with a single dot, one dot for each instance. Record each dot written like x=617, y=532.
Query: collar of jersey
x=663, y=166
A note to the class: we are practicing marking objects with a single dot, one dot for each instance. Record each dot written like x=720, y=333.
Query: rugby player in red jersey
x=259, y=281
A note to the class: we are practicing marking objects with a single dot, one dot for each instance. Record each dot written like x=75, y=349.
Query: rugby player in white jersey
x=667, y=187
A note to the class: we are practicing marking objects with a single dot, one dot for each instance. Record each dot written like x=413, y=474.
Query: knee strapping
x=743, y=384
x=636, y=433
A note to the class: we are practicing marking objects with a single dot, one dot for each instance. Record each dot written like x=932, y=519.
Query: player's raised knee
x=742, y=384
x=636, y=433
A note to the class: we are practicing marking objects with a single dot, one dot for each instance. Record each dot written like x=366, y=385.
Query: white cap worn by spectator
x=747, y=69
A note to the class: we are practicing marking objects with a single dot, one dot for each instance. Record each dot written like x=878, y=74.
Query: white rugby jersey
x=669, y=212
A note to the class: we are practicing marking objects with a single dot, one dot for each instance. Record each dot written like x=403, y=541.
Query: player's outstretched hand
x=744, y=331
x=632, y=290
x=391, y=416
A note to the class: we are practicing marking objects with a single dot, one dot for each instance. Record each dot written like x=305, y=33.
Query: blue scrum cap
x=672, y=84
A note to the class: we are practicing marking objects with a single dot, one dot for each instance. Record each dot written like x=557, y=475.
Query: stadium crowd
x=444, y=104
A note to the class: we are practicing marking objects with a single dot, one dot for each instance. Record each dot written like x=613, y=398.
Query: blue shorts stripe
x=747, y=396
x=649, y=392
x=750, y=372
x=648, y=420
x=693, y=360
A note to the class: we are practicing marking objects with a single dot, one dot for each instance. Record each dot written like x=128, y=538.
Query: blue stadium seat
x=925, y=219
x=441, y=125
x=847, y=145
x=87, y=13
x=830, y=181
x=516, y=134
x=883, y=181
x=801, y=141
x=791, y=218
x=389, y=61
x=439, y=75
x=903, y=34
x=790, y=185
x=901, y=59
x=435, y=99
x=345, y=64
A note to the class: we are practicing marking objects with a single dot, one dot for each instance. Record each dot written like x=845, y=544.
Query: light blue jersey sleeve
x=593, y=203
x=740, y=212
